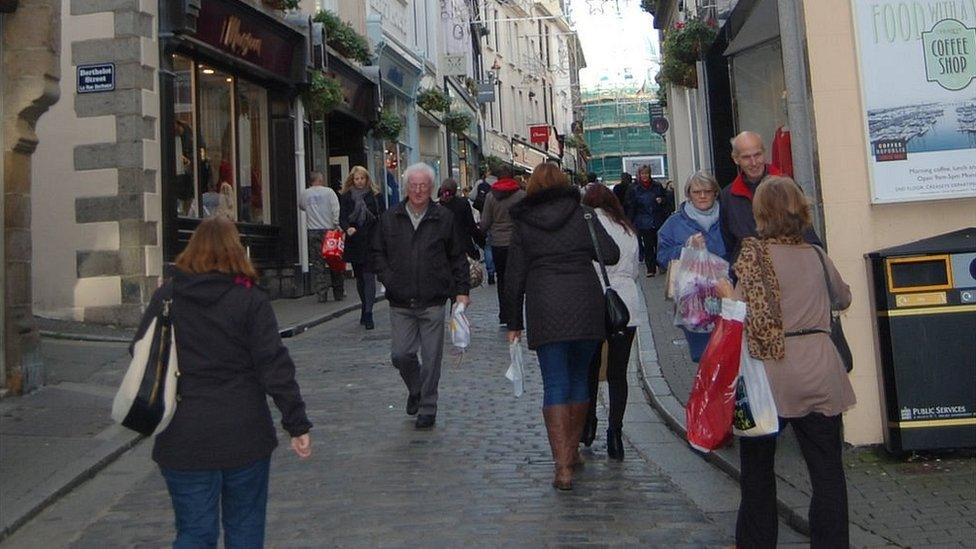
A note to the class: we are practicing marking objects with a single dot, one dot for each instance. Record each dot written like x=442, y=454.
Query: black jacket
x=471, y=235
x=357, y=245
x=230, y=358
x=423, y=267
x=736, y=217
x=550, y=267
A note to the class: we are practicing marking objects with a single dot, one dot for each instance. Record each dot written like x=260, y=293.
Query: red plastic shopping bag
x=709, y=410
x=333, y=245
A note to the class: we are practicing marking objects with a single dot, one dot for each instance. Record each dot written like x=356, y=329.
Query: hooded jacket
x=230, y=359
x=736, y=216
x=495, y=218
x=421, y=267
x=550, y=269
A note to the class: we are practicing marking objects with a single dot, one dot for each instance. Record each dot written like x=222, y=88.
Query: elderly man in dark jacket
x=420, y=259
x=735, y=211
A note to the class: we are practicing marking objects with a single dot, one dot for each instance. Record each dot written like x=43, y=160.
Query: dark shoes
x=615, y=445
x=425, y=421
x=369, y=324
x=589, y=431
x=491, y=280
x=413, y=405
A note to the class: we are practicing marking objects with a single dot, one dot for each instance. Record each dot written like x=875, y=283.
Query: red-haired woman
x=215, y=453
x=623, y=278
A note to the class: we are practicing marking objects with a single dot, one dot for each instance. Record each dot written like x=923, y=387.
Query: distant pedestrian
x=738, y=222
x=623, y=279
x=472, y=236
x=478, y=197
x=550, y=271
x=321, y=207
x=360, y=206
x=781, y=279
x=696, y=224
x=420, y=259
x=669, y=205
x=647, y=213
x=505, y=193
x=621, y=189
x=216, y=452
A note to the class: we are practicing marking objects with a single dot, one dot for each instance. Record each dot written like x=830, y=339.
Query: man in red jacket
x=735, y=210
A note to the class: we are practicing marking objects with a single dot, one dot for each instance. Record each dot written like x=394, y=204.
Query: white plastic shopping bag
x=516, y=370
x=460, y=327
x=755, y=410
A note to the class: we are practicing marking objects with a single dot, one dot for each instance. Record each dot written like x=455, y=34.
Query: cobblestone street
x=481, y=477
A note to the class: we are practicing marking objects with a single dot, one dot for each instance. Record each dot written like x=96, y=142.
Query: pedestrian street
x=480, y=478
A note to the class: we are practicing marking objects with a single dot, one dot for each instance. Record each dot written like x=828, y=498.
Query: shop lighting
x=208, y=71
x=229, y=79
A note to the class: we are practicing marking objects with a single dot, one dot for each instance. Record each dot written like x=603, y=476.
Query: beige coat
x=812, y=377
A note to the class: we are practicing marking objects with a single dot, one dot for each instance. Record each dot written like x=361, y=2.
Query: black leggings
x=617, y=359
x=500, y=256
x=366, y=288
x=648, y=248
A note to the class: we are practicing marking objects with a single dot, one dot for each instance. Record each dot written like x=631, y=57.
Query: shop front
x=526, y=157
x=228, y=80
x=464, y=146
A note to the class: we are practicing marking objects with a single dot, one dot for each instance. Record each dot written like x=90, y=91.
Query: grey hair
x=701, y=177
x=735, y=140
x=419, y=168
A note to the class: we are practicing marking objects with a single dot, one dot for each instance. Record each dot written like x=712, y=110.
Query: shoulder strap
x=166, y=294
x=588, y=216
x=830, y=287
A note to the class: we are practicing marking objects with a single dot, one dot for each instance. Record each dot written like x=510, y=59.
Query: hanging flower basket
x=682, y=49
x=388, y=126
x=434, y=100
x=283, y=5
x=323, y=94
x=457, y=121
x=344, y=39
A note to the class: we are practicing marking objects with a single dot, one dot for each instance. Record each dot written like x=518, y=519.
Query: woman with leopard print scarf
x=781, y=279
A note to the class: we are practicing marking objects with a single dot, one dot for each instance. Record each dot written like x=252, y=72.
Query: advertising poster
x=918, y=84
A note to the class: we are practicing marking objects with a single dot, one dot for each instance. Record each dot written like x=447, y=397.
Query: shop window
x=215, y=151
x=252, y=147
x=221, y=150
x=760, y=90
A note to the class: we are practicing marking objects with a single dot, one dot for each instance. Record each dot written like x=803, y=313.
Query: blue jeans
x=696, y=343
x=489, y=259
x=565, y=369
x=242, y=493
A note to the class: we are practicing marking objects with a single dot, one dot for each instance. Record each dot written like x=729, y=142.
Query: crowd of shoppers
x=216, y=451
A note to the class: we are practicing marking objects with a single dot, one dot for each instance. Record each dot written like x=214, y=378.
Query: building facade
x=618, y=133
x=801, y=74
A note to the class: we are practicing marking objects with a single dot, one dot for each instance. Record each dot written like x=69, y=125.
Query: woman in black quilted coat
x=550, y=268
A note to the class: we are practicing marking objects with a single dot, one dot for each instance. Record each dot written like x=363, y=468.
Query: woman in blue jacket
x=695, y=223
x=647, y=210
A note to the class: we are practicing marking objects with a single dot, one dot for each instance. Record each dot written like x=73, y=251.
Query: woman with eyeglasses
x=695, y=223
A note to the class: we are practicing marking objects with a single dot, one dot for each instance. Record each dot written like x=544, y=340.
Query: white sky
x=618, y=39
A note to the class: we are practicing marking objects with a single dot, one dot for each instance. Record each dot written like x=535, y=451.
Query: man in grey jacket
x=505, y=193
x=419, y=257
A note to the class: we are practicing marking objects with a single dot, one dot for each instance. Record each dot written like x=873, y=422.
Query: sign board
x=454, y=65
x=660, y=125
x=240, y=31
x=96, y=78
x=539, y=134
x=486, y=92
x=656, y=163
x=919, y=120
x=655, y=110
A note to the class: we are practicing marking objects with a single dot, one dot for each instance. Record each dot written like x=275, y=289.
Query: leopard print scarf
x=764, y=318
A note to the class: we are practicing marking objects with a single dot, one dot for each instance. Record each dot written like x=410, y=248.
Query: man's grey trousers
x=423, y=330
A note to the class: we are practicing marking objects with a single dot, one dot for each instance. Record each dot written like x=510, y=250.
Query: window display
x=253, y=153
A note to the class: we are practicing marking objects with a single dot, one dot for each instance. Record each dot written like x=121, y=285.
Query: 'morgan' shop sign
x=918, y=84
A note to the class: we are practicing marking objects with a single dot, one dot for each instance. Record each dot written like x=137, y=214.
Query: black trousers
x=500, y=256
x=820, y=441
x=366, y=288
x=618, y=356
x=647, y=238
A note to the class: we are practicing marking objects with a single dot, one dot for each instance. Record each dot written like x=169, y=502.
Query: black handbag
x=836, y=330
x=616, y=315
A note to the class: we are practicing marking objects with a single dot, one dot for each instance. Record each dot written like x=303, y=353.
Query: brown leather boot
x=578, y=413
x=558, y=427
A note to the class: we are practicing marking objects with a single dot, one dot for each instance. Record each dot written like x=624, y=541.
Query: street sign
x=96, y=78
x=486, y=92
x=660, y=125
x=454, y=65
x=656, y=110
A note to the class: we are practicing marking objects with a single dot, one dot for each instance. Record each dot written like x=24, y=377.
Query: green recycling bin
x=925, y=298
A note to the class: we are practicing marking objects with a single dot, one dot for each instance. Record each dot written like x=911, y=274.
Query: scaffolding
x=617, y=126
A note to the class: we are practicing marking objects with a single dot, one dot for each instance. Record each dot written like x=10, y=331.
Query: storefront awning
x=761, y=26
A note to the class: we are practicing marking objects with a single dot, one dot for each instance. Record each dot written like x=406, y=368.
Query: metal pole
x=798, y=105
